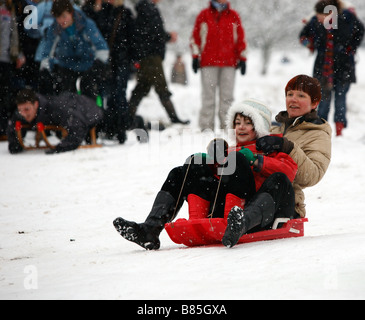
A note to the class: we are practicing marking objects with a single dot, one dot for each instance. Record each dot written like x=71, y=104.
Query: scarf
x=328, y=67
x=219, y=6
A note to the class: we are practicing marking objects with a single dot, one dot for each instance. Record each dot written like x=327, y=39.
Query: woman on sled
x=240, y=183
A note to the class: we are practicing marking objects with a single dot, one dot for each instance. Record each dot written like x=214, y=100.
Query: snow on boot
x=137, y=233
x=147, y=234
x=236, y=227
x=260, y=211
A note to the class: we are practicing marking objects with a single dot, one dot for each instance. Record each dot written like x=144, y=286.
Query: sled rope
x=210, y=216
x=183, y=185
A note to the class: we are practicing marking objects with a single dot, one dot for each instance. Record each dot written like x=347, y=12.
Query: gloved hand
x=249, y=155
x=218, y=150
x=204, y=156
x=270, y=144
x=242, y=66
x=47, y=64
x=196, y=65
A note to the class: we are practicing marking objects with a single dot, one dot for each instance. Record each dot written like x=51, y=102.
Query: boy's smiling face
x=244, y=129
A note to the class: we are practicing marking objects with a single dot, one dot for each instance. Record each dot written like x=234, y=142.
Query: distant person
x=117, y=25
x=9, y=51
x=75, y=113
x=178, y=74
x=336, y=47
x=73, y=48
x=218, y=48
x=151, y=39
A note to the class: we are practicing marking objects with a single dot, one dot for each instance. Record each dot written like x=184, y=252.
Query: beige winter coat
x=312, y=150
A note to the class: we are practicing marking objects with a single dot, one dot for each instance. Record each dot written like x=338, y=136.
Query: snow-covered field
x=57, y=240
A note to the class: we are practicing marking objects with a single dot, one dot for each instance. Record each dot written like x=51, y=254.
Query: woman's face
x=299, y=103
x=244, y=129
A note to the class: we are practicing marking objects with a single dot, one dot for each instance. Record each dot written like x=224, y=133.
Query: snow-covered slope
x=57, y=240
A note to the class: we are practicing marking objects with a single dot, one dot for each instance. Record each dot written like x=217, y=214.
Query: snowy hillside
x=57, y=240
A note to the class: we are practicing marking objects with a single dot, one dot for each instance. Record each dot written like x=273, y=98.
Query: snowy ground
x=57, y=240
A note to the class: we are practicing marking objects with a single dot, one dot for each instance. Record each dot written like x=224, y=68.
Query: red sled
x=203, y=232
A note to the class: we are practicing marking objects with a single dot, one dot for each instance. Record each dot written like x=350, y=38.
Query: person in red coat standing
x=218, y=48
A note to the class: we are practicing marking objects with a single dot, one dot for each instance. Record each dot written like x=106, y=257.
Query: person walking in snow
x=306, y=136
x=218, y=47
x=178, y=72
x=151, y=39
x=336, y=39
x=224, y=180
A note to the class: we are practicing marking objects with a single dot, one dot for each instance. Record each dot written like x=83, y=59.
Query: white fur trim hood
x=257, y=111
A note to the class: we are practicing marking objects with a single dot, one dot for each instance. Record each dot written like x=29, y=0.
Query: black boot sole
x=131, y=231
x=235, y=227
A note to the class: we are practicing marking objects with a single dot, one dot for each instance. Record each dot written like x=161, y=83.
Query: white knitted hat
x=259, y=113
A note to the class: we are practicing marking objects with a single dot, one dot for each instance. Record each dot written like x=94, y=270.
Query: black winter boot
x=170, y=109
x=260, y=211
x=147, y=234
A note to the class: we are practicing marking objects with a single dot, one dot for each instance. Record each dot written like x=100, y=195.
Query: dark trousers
x=281, y=190
x=64, y=80
x=340, y=91
x=116, y=116
x=7, y=105
x=202, y=181
x=150, y=74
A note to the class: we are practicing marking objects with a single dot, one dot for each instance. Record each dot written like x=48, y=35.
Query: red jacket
x=218, y=38
x=269, y=164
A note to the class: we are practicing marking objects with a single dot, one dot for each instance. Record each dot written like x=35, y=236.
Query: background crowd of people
x=92, y=50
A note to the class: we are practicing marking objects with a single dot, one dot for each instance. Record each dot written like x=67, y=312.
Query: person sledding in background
x=261, y=183
x=75, y=113
x=336, y=47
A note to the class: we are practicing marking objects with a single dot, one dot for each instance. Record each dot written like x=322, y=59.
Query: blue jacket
x=43, y=17
x=77, y=50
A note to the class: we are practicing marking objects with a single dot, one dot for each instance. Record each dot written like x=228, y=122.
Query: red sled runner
x=202, y=232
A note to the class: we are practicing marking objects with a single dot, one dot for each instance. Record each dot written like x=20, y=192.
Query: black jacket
x=151, y=37
x=347, y=38
x=117, y=26
x=77, y=114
